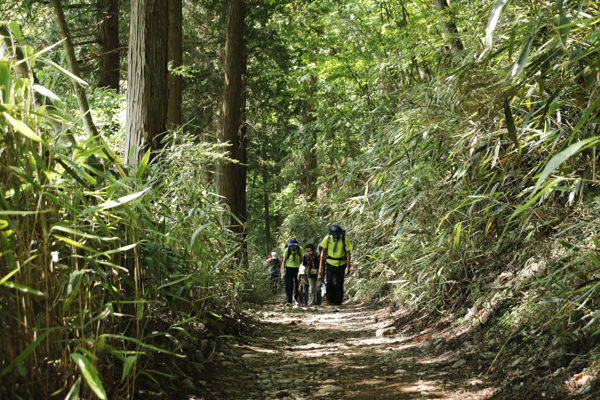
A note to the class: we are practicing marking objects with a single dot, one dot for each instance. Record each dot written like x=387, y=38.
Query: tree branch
x=83, y=43
x=93, y=56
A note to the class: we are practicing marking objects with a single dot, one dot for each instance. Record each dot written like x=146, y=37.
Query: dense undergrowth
x=102, y=264
x=465, y=177
x=476, y=194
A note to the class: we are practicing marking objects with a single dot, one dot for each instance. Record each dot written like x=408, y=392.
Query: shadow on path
x=333, y=352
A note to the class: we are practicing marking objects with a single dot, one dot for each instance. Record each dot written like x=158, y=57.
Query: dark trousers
x=273, y=282
x=291, y=283
x=335, y=284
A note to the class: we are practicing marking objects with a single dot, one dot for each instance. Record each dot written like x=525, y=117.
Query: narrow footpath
x=352, y=352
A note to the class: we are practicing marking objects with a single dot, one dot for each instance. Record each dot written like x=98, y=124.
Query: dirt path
x=345, y=352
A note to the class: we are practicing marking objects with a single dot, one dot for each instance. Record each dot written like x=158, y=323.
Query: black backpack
x=274, y=266
x=343, y=257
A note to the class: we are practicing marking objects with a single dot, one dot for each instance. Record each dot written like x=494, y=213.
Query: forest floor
x=365, y=351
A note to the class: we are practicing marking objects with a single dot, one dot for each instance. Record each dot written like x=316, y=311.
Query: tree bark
x=449, y=26
x=265, y=176
x=84, y=107
x=147, y=83
x=231, y=179
x=278, y=219
x=310, y=156
x=108, y=37
x=175, y=59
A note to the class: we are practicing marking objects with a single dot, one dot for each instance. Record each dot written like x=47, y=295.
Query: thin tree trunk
x=84, y=107
x=278, y=220
x=231, y=180
x=449, y=25
x=147, y=84
x=175, y=59
x=108, y=37
x=265, y=174
x=310, y=157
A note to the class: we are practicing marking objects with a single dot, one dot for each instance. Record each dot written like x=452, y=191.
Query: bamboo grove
x=456, y=143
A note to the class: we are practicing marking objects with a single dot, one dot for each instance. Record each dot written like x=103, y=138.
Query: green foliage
x=92, y=259
x=447, y=168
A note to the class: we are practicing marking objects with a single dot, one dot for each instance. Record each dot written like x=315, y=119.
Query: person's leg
x=339, y=288
x=329, y=285
x=289, y=285
x=312, y=283
x=291, y=277
x=305, y=293
x=273, y=284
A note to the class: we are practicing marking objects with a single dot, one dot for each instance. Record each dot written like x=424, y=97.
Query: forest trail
x=340, y=352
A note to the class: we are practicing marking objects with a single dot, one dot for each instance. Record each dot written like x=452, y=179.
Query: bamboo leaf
x=532, y=200
x=142, y=166
x=22, y=288
x=585, y=116
x=520, y=64
x=21, y=127
x=200, y=229
x=130, y=339
x=7, y=277
x=14, y=27
x=45, y=92
x=563, y=31
x=74, y=279
x=493, y=22
x=74, y=392
x=90, y=374
x=21, y=357
x=63, y=71
x=115, y=203
x=456, y=239
x=14, y=212
x=79, y=233
x=510, y=124
x=559, y=158
x=75, y=243
x=127, y=365
x=5, y=83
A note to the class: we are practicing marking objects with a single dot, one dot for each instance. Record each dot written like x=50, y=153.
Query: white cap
x=273, y=254
x=302, y=270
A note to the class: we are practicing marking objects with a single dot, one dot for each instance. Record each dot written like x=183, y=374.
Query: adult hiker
x=311, y=262
x=291, y=262
x=273, y=270
x=336, y=254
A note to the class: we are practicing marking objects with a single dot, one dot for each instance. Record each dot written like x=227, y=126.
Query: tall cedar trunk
x=175, y=59
x=231, y=179
x=241, y=170
x=310, y=157
x=278, y=219
x=266, y=184
x=449, y=26
x=147, y=84
x=108, y=37
x=84, y=107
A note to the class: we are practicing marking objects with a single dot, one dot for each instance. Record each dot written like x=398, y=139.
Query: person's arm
x=347, y=262
x=322, y=263
x=283, y=265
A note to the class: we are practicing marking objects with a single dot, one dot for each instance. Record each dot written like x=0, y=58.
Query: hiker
x=273, y=267
x=310, y=261
x=303, y=285
x=336, y=254
x=291, y=262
